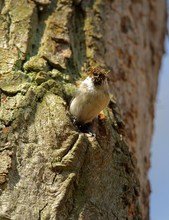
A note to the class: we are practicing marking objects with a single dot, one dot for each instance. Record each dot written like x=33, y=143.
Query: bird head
x=98, y=75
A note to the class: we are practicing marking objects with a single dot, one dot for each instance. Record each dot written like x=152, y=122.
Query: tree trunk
x=48, y=169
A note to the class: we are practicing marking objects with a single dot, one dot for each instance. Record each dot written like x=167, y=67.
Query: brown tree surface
x=48, y=170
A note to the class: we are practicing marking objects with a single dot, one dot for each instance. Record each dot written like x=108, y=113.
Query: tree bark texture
x=48, y=170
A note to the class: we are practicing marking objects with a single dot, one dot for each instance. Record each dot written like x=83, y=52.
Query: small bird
x=90, y=99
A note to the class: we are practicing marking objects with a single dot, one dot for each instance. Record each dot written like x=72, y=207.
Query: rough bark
x=48, y=170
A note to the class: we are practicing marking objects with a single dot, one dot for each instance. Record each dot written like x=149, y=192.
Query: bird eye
x=102, y=76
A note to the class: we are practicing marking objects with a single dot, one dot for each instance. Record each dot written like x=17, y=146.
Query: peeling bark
x=48, y=170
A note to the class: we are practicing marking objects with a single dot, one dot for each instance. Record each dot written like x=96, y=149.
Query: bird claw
x=91, y=134
x=84, y=128
x=87, y=128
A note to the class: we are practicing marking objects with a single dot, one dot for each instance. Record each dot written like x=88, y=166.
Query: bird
x=90, y=99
